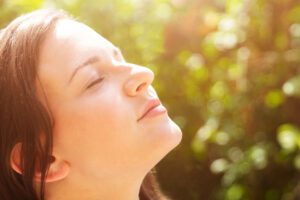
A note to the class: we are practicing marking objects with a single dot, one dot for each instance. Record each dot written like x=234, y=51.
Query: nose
x=139, y=80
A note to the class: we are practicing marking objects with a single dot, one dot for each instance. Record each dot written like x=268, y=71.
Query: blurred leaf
x=222, y=138
x=297, y=162
x=294, y=14
x=26, y=5
x=295, y=30
x=274, y=98
x=272, y=195
x=235, y=192
x=195, y=61
x=236, y=72
x=219, y=166
x=258, y=156
x=281, y=41
x=288, y=137
x=233, y=6
x=218, y=90
x=198, y=148
x=235, y=154
x=292, y=87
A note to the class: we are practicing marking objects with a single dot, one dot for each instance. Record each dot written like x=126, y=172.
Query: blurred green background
x=229, y=73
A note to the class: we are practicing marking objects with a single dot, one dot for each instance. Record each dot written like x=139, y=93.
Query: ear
x=58, y=170
x=15, y=158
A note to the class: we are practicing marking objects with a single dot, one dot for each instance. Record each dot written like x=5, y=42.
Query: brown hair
x=24, y=117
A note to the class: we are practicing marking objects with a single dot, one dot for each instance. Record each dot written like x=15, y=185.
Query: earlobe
x=58, y=170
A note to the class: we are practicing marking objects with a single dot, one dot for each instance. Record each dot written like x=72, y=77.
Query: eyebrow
x=89, y=61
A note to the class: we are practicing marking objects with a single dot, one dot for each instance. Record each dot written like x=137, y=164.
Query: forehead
x=71, y=39
x=67, y=45
x=67, y=30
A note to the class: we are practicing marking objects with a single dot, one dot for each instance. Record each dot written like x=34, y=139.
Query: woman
x=77, y=120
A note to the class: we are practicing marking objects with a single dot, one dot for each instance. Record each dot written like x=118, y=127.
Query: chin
x=165, y=136
x=175, y=133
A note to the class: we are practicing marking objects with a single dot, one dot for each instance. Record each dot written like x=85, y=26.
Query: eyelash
x=94, y=83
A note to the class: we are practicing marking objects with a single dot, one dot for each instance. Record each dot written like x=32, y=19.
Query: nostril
x=140, y=87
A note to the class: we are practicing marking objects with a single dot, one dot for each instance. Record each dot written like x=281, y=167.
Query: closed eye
x=94, y=83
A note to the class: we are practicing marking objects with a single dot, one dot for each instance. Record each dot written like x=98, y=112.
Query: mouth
x=153, y=108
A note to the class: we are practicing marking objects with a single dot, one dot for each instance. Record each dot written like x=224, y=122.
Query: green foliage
x=229, y=73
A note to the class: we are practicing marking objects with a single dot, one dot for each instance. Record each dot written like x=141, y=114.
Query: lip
x=153, y=108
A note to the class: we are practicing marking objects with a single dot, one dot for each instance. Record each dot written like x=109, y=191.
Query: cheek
x=109, y=117
x=94, y=128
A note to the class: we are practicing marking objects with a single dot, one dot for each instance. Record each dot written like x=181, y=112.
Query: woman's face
x=97, y=100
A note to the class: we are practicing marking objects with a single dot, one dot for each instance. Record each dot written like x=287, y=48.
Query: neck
x=123, y=187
